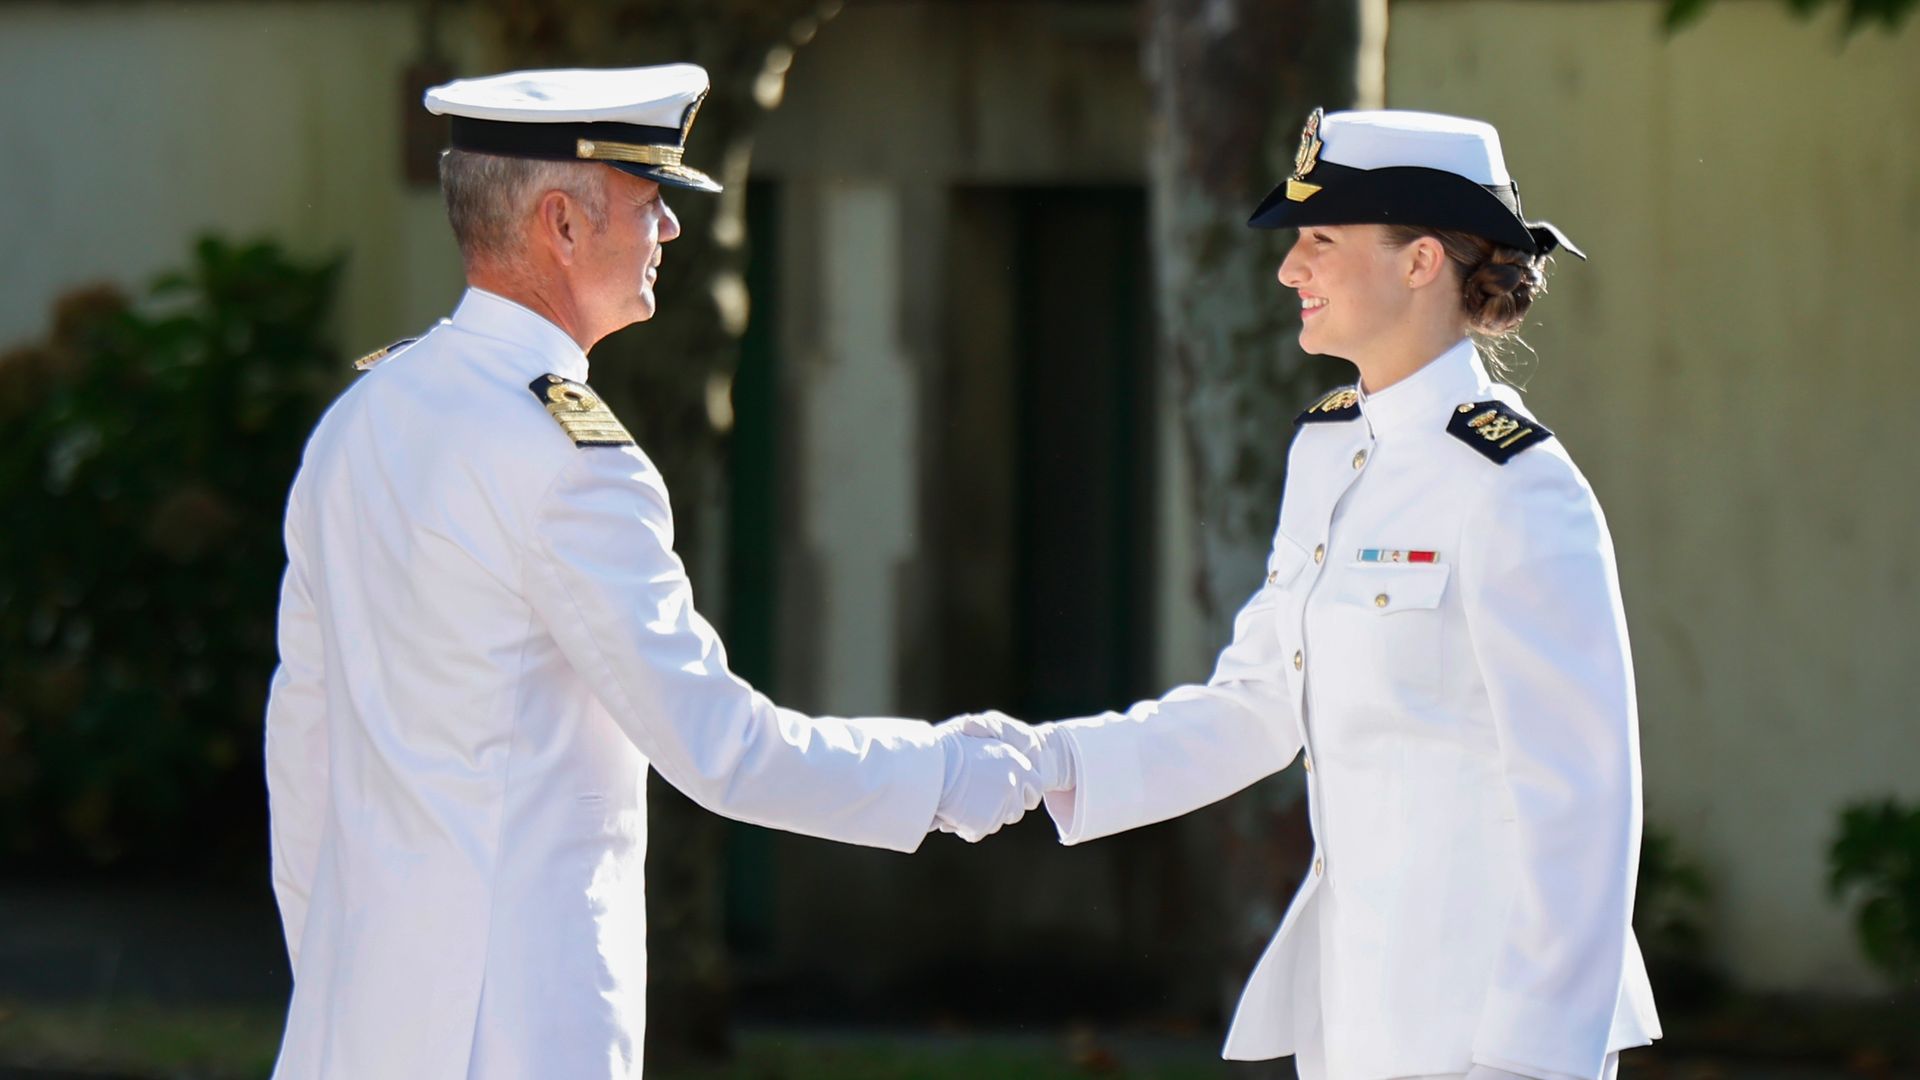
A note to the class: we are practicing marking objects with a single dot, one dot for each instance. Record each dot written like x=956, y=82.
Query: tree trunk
x=670, y=380
x=1232, y=81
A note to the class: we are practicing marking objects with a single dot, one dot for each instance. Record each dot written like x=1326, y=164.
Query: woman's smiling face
x=1352, y=284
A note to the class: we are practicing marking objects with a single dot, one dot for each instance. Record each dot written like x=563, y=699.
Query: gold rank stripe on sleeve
x=1341, y=404
x=1495, y=431
x=580, y=412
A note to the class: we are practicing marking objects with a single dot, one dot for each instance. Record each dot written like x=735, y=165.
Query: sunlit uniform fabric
x=1471, y=744
x=485, y=641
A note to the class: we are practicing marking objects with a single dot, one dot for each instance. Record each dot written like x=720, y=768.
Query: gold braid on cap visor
x=636, y=153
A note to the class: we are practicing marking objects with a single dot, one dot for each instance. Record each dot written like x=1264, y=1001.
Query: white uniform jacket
x=1471, y=739
x=485, y=639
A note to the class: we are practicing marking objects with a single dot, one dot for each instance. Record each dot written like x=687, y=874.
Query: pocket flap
x=1392, y=587
x=1285, y=560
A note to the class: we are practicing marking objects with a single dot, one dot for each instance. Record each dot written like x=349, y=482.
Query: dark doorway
x=1042, y=493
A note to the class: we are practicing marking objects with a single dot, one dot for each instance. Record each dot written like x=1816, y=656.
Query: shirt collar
x=1453, y=377
x=545, y=347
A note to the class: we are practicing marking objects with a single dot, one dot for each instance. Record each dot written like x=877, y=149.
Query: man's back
x=481, y=840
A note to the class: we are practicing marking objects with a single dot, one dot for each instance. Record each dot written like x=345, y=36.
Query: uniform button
x=1380, y=601
x=1360, y=459
x=1299, y=660
x=1307, y=762
x=1320, y=553
x=1319, y=867
x=1273, y=577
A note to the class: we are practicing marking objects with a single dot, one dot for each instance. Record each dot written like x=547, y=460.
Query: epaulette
x=579, y=412
x=378, y=355
x=1494, y=430
x=1341, y=404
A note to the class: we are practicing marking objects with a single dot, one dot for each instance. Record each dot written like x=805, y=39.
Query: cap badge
x=693, y=110
x=1305, y=159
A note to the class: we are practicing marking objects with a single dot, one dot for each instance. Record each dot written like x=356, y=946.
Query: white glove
x=988, y=784
x=1050, y=751
x=1488, y=1072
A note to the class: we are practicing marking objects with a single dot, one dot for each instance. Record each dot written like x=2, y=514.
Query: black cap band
x=1406, y=195
x=552, y=142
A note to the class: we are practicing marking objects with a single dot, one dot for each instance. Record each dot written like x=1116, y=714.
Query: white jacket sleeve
x=1194, y=746
x=603, y=577
x=1543, y=609
x=296, y=748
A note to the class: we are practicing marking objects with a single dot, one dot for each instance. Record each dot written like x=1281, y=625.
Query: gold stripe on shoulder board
x=376, y=356
x=580, y=412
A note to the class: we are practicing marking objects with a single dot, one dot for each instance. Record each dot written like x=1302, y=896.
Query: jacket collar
x=543, y=347
x=1425, y=398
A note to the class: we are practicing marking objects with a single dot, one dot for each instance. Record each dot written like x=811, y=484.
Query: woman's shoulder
x=1516, y=454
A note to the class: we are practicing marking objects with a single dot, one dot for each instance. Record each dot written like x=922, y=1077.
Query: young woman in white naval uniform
x=1439, y=640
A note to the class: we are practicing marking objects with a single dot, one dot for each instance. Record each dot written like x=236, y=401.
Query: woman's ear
x=1426, y=260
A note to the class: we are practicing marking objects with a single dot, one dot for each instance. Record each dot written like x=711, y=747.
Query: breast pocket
x=1379, y=633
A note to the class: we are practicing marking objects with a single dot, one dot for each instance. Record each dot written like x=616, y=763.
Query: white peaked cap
x=1395, y=167
x=633, y=119
x=648, y=96
x=1381, y=138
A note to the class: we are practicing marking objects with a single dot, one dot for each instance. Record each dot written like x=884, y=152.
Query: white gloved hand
x=1049, y=750
x=988, y=784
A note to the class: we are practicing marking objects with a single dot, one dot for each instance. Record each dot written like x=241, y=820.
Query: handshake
x=997, y=769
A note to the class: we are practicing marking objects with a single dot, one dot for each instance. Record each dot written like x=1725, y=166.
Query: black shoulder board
x=579, y=412
x=378, y=355
x=1494, y=430
x=1341, y=404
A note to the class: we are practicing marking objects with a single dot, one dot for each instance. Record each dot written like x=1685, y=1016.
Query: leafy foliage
x=148, y=452
x=1876, y=858
x=1670, y=918
x=1888, y=13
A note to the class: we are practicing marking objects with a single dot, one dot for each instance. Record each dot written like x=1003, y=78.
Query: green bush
x=148, y=452
x=1670, y=918
x=1876, y=859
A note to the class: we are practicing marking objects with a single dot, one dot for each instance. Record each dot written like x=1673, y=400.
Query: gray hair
x=489, y=196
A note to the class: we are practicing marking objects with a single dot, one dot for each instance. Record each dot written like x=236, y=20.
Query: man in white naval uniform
x=486, y=639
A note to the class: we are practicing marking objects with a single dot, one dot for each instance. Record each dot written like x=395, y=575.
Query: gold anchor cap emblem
x=1306, y=158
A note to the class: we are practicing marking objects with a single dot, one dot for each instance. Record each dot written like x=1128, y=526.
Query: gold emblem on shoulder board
x=1495, y=430
x=1305, y=159
x=580, y=412
x=1337, y=401
x=1497, y=427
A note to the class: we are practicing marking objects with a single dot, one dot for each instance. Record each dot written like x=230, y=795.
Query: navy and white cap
x=634, y=119
x=1393, y=167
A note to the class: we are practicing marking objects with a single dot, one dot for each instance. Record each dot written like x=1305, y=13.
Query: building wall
x=136, y=127
x=1734, y=371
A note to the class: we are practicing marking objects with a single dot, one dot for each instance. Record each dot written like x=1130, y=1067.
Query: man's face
x=621, y=263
